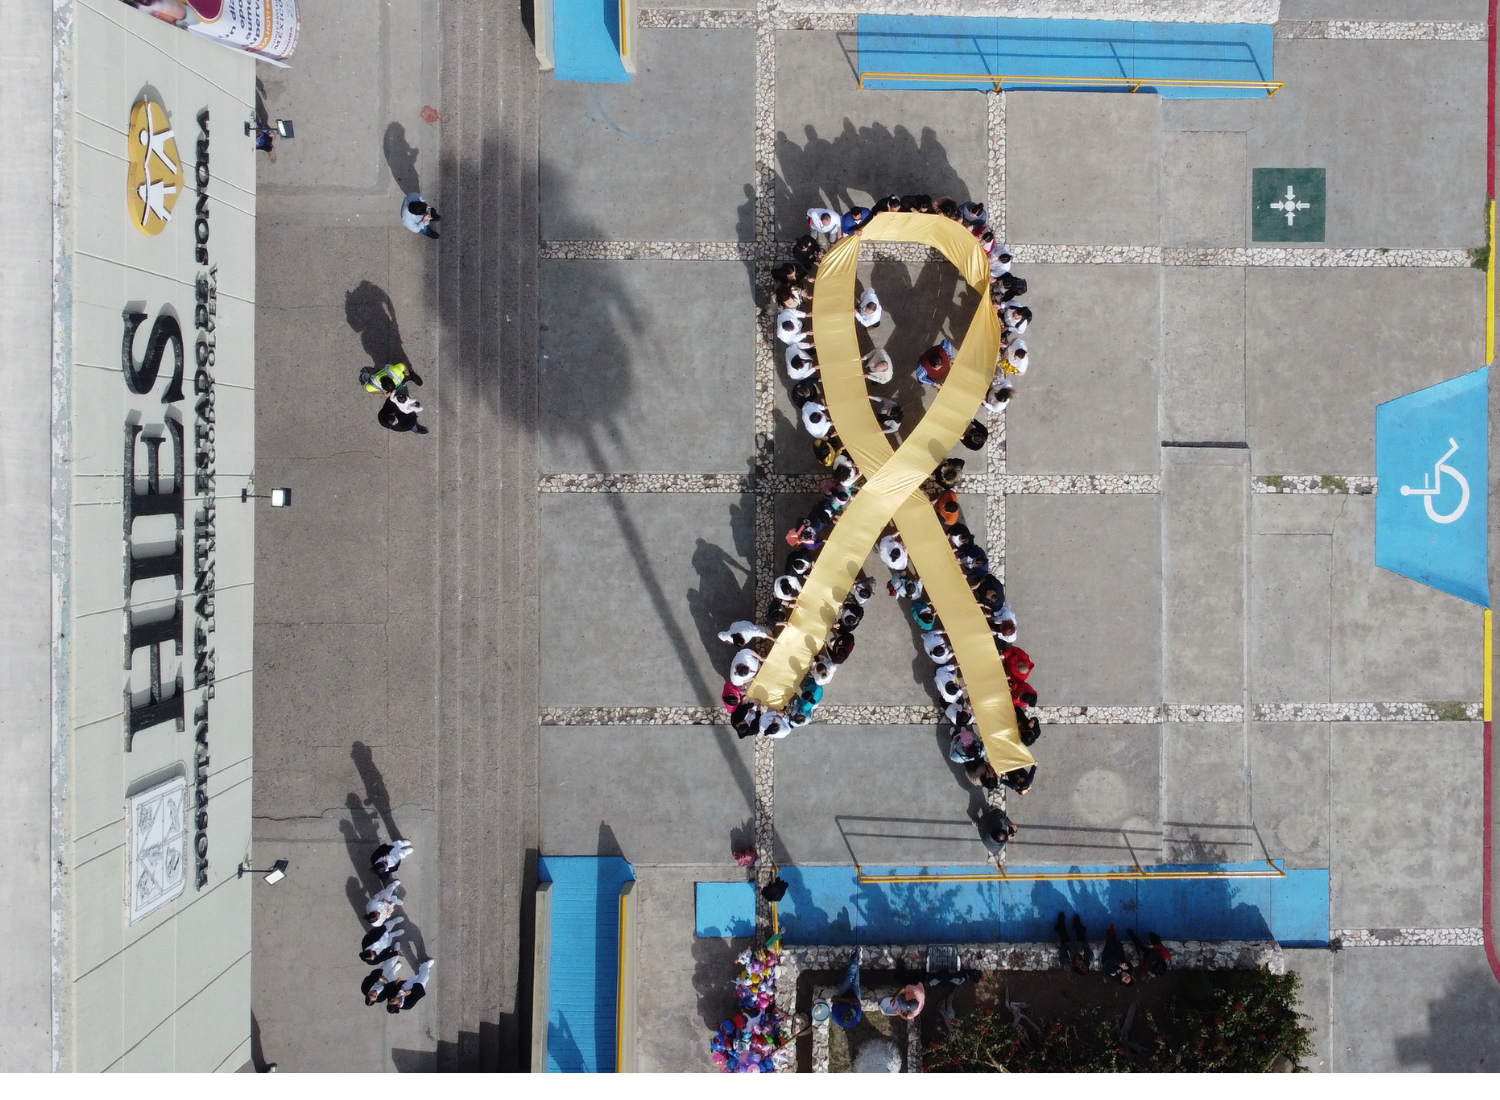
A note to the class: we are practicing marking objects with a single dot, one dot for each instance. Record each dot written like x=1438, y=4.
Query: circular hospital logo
x=154, y=179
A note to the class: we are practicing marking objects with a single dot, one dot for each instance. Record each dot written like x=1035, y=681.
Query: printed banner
x=267, y=28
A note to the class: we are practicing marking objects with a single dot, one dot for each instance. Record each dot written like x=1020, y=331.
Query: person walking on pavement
x=412, y=990
x=417, y=216
x=1116, y=964
x=382, y=907
x=379, y=984
x=385, y=859
x=1076, y=953
x=380, y=943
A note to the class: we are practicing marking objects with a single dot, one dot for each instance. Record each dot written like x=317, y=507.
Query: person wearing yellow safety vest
x=399, y=413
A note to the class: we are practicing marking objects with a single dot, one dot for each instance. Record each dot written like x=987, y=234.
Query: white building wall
x=26, y=904
x=170, y=991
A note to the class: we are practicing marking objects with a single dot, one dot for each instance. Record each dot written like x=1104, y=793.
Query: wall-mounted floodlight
x=274, y=874
x=279, y=498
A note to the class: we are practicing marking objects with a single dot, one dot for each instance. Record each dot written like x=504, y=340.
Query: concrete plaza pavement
x=450, y=626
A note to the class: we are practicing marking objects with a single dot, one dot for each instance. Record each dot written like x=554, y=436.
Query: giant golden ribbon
x=893, y=480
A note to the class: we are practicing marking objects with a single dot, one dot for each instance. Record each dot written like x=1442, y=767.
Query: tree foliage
x=1240, y=1022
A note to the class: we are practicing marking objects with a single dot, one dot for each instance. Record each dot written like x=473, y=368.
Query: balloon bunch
x=746, y=1042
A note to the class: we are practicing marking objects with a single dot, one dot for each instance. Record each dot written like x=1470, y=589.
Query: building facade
x=128, y=543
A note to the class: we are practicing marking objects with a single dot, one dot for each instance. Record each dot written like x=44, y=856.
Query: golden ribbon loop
x=892, y=488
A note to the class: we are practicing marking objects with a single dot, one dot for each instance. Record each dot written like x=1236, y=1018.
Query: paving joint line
x=922, y=714
x=765, y=248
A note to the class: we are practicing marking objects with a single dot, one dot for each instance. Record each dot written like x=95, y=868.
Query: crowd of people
x=381, y=947
x=794, y=286
x=1152, y=957
x=748, y=1041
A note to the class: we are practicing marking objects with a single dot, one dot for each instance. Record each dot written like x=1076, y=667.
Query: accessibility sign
x=1432, y=463
x=1288, y=204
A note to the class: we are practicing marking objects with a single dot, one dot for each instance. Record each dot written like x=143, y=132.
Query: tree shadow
x=860, y=164
x=713, y=978
x=370, y=313
x=401, y=156
x=1463, y=1024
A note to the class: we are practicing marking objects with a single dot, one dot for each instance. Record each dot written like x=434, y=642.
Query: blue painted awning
x=586, y=41
x=1432, y=465
x=829, y=905
x=981, y=48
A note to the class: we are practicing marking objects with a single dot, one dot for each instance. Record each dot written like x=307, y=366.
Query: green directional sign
x=1288, y=204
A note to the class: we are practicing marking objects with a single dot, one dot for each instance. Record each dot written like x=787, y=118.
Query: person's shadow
x=369, y=311
x=402, y=158
x=362, y=835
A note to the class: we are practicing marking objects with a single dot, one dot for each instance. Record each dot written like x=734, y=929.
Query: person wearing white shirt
x=815, y=419
x=1015, y=317
x=1017, y=358
x=998, y=265
x=380, y=943
x=412, y=990
x=868, y=312
x=824, y=221
x=774, y=725
x=893, y=553
x=822, y=669
x=789, y=327
x=936, y=644
x=743, y=667
x=878, y=366
x=742, y=632
x=1005, y=624
x=382, y=906
x=376, y=982
x=800, y=364
x=1001, y=391
x=949, y=686
x=385, y=859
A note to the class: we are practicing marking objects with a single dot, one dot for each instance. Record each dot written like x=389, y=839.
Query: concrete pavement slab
x=1203, y=189
x=335, y=501
x=1394, y=638
x=1324, y=347
x=1471, y=10
x=1095, y=800
x=839, y=146
x=1414, y=1008
x=1398, y=125
x=1406, y=824
x=666, y=157
x=1203, y=354
x=922, y=304
x=1315, y=967
x=1289, y=773
x=878, y=795
x=1290, y=617
x=298, y=928
x=685, y=985
x=1093, y=618
x=1082, y=169
x=1204, y=516
x=1090, y=406
x=1205, y=794
x=645, y=367
x=667, y=794
x=635, y=593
